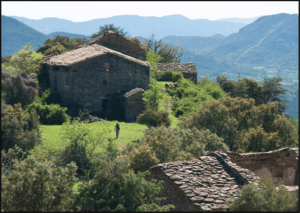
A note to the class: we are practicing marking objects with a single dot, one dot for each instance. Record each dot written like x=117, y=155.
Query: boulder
x=92, y=119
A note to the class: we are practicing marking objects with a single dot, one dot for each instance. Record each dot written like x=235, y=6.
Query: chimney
x=75, y=45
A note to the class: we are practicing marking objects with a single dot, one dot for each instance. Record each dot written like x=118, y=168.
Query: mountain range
x=176, y=25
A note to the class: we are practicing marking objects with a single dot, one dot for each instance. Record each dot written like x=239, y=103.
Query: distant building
x=188, y=70
x=96, y=70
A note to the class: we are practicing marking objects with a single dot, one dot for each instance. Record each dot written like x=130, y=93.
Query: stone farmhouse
x=206, y=183
x=99, y=70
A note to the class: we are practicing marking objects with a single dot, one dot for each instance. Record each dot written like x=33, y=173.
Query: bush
x=114, y=190
x=52, y=114
x=80, y=144
x=153, y=118
x=263, y=198
x=18, y=128
x=143, y=158
x=34, y=185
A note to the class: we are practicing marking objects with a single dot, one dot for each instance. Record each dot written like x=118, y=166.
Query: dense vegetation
x=240, y=116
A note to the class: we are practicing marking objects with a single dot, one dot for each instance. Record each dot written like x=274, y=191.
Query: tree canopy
x=109, y=27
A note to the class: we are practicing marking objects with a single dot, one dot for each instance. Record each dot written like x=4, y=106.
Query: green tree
x=262, y=93
x=59, y=45
x=152, y=59
x=80, y=143
x=34, y=185
x=109, y=27
x=19, y=128
x=263, y=197
x=153, y=95
x=231, y=118
x=169, y=53
x=27, y=60
x=116, y=189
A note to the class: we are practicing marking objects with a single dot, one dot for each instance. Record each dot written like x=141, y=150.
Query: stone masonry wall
x=85, y=80
x=185, y=75
x=279, y=165
x=134, y=107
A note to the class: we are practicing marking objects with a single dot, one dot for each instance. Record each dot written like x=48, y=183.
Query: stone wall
x=279, y=165
x=134, y=106
x=185, y=75
x=84, y=82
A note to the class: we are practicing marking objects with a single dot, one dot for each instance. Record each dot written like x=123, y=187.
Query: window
x=56, y=68
x=106, y=66
x=105, y=82
x=67, y=83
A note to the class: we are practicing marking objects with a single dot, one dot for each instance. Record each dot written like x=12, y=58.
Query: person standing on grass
x=117, y=128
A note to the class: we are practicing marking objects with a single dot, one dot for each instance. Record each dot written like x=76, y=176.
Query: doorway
x=104, y=105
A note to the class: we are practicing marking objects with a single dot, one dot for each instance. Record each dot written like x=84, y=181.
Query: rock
x=92, y=119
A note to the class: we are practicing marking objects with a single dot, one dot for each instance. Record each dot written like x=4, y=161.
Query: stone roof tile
x=176, y=67
x=86, y=52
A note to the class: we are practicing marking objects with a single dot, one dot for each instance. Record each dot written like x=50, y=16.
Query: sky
x=79, y=11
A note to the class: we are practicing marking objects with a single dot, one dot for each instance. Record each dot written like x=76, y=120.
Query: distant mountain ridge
x=269, y=40
x=176, y=25
x=239, y=20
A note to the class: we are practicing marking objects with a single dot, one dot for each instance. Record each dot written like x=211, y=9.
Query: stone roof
x=176, y=67
x=81, y=54
x=94, y=40
x=133, y=92
x=207, y=181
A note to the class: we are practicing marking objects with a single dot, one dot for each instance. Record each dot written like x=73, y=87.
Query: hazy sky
x=84, y=11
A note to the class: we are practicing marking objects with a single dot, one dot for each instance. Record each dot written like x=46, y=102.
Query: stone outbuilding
x=188, y=70
x=93, y=72
x=206, y=183
x=134, y=105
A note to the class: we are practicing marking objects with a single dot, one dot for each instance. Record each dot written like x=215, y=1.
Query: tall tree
x=26, y=60
x=262, y=93
x=111, y=27
x=169, y=53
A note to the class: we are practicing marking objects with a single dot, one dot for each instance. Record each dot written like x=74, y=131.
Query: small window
x=105, y=82
x=67, y=83
x=106, y=66
x=56, y=68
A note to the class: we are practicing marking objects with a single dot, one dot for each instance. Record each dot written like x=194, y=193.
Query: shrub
x=113, y=190
x=164, y=146
x=263, y=198
x=18, y=128
x=143, y=158
x=52, y=114
x=34, y=185
x=80, y=143
x=153, y=118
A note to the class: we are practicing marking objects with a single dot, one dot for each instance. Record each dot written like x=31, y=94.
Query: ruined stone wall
x=279, y=165
x=134, y=106
x=185, y=75
x=86, y=80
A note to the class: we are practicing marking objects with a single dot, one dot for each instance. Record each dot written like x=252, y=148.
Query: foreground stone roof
x=204, y=184
x=207, y=182
x=133, y=92
x=176, y=67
